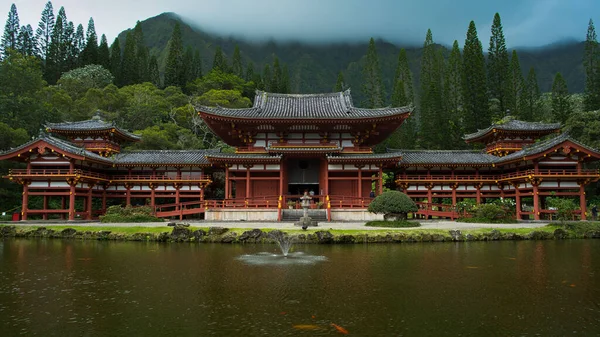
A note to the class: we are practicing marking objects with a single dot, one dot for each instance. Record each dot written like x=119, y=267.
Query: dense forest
x=150, y=78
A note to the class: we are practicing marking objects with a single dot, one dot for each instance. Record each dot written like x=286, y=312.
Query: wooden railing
x=148, y=177
x=117, y=178
x=500, y=177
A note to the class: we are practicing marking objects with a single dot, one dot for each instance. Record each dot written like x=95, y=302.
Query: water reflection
x=270, y=259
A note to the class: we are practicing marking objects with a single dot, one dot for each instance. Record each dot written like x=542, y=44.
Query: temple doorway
x=303, y=175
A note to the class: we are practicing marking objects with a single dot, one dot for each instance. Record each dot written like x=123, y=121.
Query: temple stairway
x=290, y=215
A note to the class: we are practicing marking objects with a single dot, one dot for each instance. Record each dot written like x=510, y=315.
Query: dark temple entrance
x=303, y=175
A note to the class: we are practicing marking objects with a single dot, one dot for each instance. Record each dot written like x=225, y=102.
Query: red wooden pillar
x=281, y=178
x=25, y=201
x=454, y=187
x=72, y=201
x=518, y=201
x=582, y=204
x=248, y=181
x=45, y=215
x=359, y=180
x=380, y=179
x=536, y=202
x=478, y=195
x=327, y=180
x=128, y=194
x=201, y=193
x=63, y=205
x=227, y=192
x=89, y=207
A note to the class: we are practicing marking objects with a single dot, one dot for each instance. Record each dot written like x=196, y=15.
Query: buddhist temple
x=290, y=144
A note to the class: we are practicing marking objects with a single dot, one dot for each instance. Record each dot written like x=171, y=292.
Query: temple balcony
x=39, y=174
x=504, y=148
x=494, y=178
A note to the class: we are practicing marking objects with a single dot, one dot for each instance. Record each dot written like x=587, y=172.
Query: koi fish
x=472, y=267
x=572, y=285
x=306, y=327
x=339, y=329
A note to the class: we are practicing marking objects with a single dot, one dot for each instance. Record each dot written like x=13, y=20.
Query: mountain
x=314, y=67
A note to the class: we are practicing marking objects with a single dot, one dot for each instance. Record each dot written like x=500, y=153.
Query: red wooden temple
x=287, y=144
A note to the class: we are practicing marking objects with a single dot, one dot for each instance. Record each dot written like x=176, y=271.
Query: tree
x=372, y=86
x=27, y=43
x=476, y=114
x=141, y=54
x=515, y=85
x=561, y=105
x=434, y=124
x=43, y=34
x=196, y=65
x=276, y=81
x=267, y=78
x=115, y=61
x=188, y=64
x=393, y=204
x=285, y=80
x=10, y=39
x=70, y=47
x=529, y=106
x=453, y=95
x=174, y=70
x=55, y=60
x=340, y=83
x=78, y=81
x=90, y=52
x=129, y=68
x=591, y=63
x=224, y=98
x=237, y=68
x=104, y=53
x=153, y=71
x=219, y=62
x=585, y=127
x=498, y=66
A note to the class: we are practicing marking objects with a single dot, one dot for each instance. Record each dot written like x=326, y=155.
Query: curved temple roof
x=94, y=124
x=337, y=105
x=514, y=125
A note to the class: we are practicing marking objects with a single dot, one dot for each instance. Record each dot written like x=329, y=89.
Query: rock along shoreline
x=183, y=233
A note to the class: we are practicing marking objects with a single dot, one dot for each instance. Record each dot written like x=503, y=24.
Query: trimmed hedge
x=129, y=214
x=393, y=224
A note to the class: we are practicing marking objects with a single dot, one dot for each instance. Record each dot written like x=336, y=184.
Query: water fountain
x=285, y=243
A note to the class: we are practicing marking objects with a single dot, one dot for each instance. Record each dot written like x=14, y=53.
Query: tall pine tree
x=197, y=65
x=433, y=122
x=372, y=86
x=141, y=54
x=153, y=71
x=174, y=70
x=403, y=87
x=453, y=95
x=476, y=113
x=43, y=34
x=515, y=85
x=267, y=78
x=340, y=83
x=276, y=81
x=529, y=106
x=78, y=43
x=219, y=62
x=561, y=104
x=10, y=39
x=104, y=53
x=591, y=63
x=129, y=68
x=498, y=65
x=56, y=58
x=236, y=63
x=90, y=52
x=27, y=42
x=115, y=61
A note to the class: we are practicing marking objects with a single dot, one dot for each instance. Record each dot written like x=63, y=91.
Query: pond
x=93, y=288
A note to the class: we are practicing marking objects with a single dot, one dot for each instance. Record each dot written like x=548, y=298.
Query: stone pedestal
x=306, y=221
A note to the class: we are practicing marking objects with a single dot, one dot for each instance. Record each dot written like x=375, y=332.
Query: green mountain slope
x=314, y=68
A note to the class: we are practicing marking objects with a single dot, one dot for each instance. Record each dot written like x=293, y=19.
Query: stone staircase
x=291, y=215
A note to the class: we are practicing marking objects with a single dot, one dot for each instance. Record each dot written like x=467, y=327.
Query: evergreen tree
x=65, y=42
x=197, y=65
x=372, y=86
x=403, y=95
x=340, y=84
x=10, y=39
x=90, y=52
x=115, y=62
x=236, y=63
x=453, y=95
x=249, y=72
x=285, y=80
x=276, y=81
x=153, y=71
x=174, y=70
x=433, y=119
x=476, y=113
x=529, y=106
x=27, y=42
x=43, y=34
x=219, y=62
x=498, y=65
x=78, y=43
x=267, y=78
x=141, y=54
x=55, y=60
x=104, y=53
x=70, y=47
x=188, y=64
x=515, y=85
x=561, y=104
x=129, y=69
x=591, y=63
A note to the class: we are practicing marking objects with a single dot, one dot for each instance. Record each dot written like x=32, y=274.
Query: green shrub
x=565, y=207
x=129, y=214
x=393, y=224
x=393, y=204
x=490, y=212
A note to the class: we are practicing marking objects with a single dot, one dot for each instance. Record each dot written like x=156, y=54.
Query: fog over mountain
x=526, y=22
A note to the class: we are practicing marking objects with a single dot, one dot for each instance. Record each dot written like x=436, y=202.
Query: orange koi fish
x=339, y=329
x=306, y=327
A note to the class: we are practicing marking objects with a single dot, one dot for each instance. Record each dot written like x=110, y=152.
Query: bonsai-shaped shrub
x=490, y=212
x=129, y=214
x=393, y=205
x=565, y=207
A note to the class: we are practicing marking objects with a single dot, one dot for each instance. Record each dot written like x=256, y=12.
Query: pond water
x=92, y=288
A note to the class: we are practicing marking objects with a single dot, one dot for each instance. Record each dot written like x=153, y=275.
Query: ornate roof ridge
x=94, y=123
x=513, y=125
x=318, y=94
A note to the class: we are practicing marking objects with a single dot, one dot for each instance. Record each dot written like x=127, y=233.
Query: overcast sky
x=525, y=22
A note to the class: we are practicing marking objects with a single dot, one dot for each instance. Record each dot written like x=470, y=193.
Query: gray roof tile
x=94, y=124
x=183, y=157
x=424, y=157
x=63, y=145
x=337, y=105
x=514, y=125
